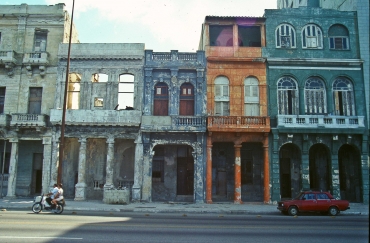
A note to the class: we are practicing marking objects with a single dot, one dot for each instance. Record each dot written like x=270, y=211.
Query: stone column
x=237, y=176
x=198, y=169
x=12, y=179
x=109, y=169
x=80, y=194
x=46, y=165
x=209, y=170
x=138, y=170
x=173, y=91
x=305, y=164
x=147, y=171
x=55, y=164
x=275, y=190
x=335, y=175
x=266, y=170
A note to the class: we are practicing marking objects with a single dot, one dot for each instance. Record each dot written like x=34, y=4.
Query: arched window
x=338, y=37
x=186, y=100
x=311, y=37
x=251, y=97
x=288, y=102
x=222, y=96
x=315, y=96
x=126, y=91
x=343, y=96
x=285, y=36
x=73, y=99
x=160, y=99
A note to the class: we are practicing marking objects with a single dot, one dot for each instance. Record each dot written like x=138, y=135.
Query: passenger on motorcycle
x=51, y=195
x=59, y=196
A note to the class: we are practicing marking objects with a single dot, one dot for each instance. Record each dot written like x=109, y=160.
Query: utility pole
x=61, y=144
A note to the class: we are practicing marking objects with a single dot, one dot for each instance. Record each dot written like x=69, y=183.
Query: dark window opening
x=158, y=164
x=40, y=41
x=34, y=102
x=221, y=35
x=249, y=36
x=160, y=100
x=2, y=99
x=6, y=164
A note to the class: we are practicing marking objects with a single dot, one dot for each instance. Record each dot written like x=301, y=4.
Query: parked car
x=313, y=201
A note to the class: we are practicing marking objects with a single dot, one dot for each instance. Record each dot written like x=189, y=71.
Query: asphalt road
x=23, y=226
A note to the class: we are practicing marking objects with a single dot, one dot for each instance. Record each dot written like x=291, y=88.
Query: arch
x=319, y=164
x=315, y=96
x=287, y=96
x=350, y=179
x=285, y=36
x=222, y=96
x=186, y=100
x=290, y=165
x=343, y=97
x=251, y=96
x=338, y=37
x=160, y=106
x=312, y=37
x=126, y=91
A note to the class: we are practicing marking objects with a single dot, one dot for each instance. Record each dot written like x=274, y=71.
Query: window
x=160, y=99
x=0, y=37
x=99, y=78
x=251, y=97
x=221, y=35
x=315, y=96
x=311, y=37
x=249, y=36
x=343, y=96
x=322, y=196
x=158, y=164
x=98, y=102
x=40, y=41
x=73, y=99
x=338, y=37
x=285, y=36
x=126, y=91
x=186, y=99
x=2, y=99
x=222, y=96
x=288, y=102
x=34, y=101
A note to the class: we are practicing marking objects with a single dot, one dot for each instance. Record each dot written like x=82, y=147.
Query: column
x=305, y=164
x=80, y=194
x=266, y=170
x=198, y=155
x=109, y=169
x=55, y=164
x=237, y=176
x=12, y=179
x=147, y=171
x=46, y=164
x=209, y=170
x=138, y=170
x=275, y=177
x=335, y=190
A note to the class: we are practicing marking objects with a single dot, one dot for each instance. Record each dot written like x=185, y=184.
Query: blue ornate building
x=316, y=103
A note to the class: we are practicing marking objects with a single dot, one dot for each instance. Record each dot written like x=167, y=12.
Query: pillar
x=12, y=179
x=305, y=164
x=109, y=169
x=80, y=194
x=237, y=176
x=266, y=170
x=138, y=170
x=209, y=171
x=46, y=164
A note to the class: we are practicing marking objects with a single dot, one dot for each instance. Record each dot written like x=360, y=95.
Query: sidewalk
x=170, y=207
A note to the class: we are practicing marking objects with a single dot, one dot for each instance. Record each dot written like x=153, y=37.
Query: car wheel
x=333, y=211
x=293, y=211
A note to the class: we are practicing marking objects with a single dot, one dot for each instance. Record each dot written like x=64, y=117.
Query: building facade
x=316, y=93
x=174, y=126
x=103, y=148
x=238, y=125
x=29, y=39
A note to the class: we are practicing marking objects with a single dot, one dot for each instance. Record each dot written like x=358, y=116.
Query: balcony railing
x=174, y=123
x=28, y=120
x=97, y=117
x=174, y=57
x=36, y=58
x=7, y=57
x=239, y=123
x=316, y=121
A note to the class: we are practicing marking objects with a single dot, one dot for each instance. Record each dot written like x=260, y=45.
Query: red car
x=313, y=201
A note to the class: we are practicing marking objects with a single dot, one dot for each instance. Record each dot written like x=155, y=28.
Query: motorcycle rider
x=51, y=195
x=59, y=196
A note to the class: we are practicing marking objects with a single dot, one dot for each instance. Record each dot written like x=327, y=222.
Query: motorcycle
x=41, y=204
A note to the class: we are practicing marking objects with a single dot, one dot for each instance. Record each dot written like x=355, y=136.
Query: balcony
x=4, y=120
x=22, y=120
x=35, y=58
x=7, y=57
x=238, y=124
x=174, y=123
x=320, y=121
x=175, y=58
x=97, y=117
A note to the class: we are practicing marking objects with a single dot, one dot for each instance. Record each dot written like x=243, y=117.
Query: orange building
x=238, y=125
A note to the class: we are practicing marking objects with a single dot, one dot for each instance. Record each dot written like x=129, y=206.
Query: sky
x=162, y=25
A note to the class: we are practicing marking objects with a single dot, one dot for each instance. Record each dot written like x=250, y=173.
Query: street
x=24, y=226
